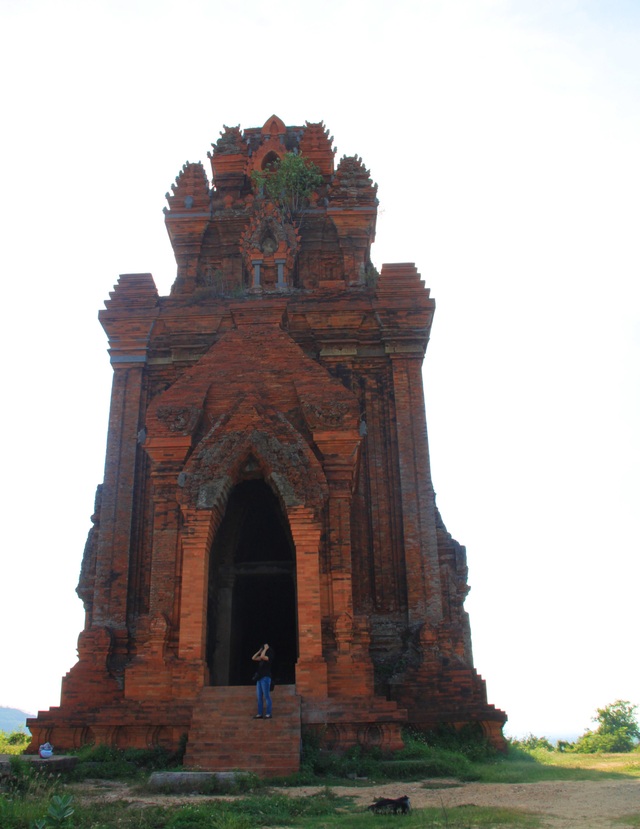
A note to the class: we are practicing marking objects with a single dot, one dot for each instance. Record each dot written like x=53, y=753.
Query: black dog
x=390, y=804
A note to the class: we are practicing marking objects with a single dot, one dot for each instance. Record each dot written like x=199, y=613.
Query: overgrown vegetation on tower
x=288, y=182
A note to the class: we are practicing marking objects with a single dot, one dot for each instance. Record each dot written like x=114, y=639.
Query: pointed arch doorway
x=252, y=588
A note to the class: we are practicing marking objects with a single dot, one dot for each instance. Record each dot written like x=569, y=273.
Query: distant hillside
x=13, y=719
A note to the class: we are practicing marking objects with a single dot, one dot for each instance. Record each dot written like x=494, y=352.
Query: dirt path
x=562, y=805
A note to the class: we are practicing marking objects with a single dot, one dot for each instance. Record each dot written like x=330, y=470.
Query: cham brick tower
x=267, y=479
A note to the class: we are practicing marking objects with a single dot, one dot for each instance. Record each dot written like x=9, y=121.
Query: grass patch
x=122, y=764
x=438, y=765
x=261, y=810
x=25, y=794
x=611, y=766
x=18, y=813
x=27, y=781
x=540, y=765
x=628, y=820
x=322, y=811
x=243, y=813
x=461, y=817
x=478, y=816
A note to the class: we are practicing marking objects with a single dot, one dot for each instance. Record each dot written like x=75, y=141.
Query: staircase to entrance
x=224, y=736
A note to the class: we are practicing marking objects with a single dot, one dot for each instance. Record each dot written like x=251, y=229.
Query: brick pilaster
x=418, y=499
x=311, y=668
x=112, y=565
x=128, y=320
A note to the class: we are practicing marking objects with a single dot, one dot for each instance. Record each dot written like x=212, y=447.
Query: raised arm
x=261, y=654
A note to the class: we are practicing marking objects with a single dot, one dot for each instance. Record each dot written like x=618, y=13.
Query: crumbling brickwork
x=267, y=477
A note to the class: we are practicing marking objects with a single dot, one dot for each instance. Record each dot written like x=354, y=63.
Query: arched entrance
x=252, y=588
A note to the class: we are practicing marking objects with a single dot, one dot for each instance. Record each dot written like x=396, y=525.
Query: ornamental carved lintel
x=332, y=415
x=179, y=419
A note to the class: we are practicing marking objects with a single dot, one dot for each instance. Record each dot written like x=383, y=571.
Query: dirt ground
x=562, y=805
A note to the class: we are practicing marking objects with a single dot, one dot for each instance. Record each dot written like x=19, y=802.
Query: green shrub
x=593, y=743
x=58, y=814
x=356, y=762
x=97, y=754
x=153, y=759
x=420, y=757
x=617, y=732
x=468, y=740
x=289, y=182
x=113, y=763
x=618, y=717
x=14, y=742
x=105, y=770
x=516, y=753
x=531, y=742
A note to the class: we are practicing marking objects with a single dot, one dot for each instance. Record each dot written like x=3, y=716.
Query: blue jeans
x=263, y=689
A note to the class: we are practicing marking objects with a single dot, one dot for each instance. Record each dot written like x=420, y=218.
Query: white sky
x=504, y=137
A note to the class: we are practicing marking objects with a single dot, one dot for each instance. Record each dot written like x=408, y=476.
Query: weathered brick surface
x=280, y=358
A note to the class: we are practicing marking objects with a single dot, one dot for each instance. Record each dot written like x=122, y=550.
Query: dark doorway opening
x=252, y=594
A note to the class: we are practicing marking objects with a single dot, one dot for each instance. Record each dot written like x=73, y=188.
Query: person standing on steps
x=263, y=657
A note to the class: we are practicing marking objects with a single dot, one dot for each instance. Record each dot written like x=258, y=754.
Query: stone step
x=225, y=736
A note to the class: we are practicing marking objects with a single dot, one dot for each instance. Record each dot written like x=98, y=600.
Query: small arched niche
x=270, y=161
x=268, y=244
